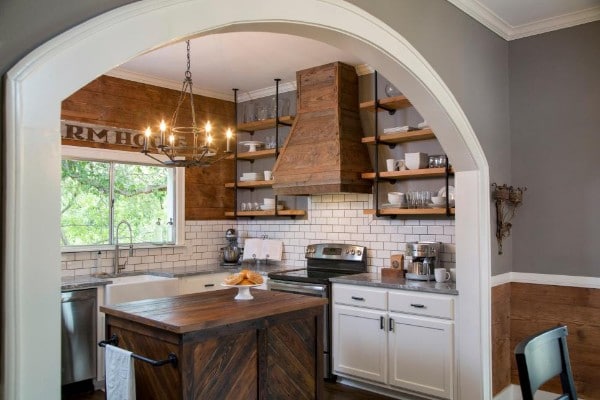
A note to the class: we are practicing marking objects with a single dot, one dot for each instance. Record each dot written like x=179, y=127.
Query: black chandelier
x=172, y=140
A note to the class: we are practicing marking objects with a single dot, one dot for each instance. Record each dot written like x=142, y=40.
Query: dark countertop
x=198, y=311
x=88, y=281
x=82, y=282
x=375, y=280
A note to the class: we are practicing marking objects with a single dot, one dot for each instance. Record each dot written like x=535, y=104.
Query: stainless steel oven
x=323, y=261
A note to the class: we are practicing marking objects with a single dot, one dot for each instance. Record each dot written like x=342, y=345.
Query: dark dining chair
x=541, y=357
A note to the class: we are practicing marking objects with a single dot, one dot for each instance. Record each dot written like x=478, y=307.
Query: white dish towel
x=120, y=374
x=263, y=249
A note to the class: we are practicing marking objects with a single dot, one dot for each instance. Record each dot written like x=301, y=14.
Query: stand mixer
x=231, y=253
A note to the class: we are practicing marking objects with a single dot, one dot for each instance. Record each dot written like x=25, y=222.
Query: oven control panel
x=336, y=251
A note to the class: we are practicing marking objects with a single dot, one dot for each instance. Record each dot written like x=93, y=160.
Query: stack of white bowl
x=269, y=205
x=252, y=176
x=396, y=198
x=416, y=160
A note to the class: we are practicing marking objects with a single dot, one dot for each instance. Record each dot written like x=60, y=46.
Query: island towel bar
x=171, y=359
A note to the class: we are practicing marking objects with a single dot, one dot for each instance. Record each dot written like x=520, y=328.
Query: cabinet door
x=201, y=283
x=421, y=354
x=359, y=343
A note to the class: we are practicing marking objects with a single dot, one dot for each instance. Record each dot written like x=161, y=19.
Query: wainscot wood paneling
x=501, y=344
x=131, y=105
x=537, y=307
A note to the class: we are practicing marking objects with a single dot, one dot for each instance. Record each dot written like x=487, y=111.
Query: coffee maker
x=231, y=253
x=420, y=260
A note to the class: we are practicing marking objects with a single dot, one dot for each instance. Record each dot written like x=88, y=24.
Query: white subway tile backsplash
x=331, y=218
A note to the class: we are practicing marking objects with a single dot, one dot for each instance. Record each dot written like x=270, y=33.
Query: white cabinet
x=393, y=338
x=421, y=354
x=359, y=346
x=201, y=283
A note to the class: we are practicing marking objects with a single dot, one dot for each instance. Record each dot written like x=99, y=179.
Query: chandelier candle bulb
x=147, y=138
x=163, y=129
x=228, y=135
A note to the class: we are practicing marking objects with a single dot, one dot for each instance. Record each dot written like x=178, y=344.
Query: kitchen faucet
x=116, y=266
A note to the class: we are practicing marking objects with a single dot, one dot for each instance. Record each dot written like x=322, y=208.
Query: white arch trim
x=37, y=85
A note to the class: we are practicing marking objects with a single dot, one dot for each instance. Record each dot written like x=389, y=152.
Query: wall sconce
x=507, y=198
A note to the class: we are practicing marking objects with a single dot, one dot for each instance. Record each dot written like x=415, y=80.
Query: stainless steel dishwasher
x=78, y=340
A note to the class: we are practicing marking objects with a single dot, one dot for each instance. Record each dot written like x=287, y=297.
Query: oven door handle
x=296, y=287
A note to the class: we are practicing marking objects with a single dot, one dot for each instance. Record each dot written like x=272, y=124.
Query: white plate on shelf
x=265, y=207
x=442, y=192
x=245, y=179
x=431, y=205
x=252, y=145
x=394, y=205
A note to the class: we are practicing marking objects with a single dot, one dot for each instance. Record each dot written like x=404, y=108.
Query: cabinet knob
x=381, y=323
x=417, y=305
x=391, y=327
x=358, y=298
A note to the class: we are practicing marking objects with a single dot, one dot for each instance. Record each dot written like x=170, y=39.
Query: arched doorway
x=36, y=86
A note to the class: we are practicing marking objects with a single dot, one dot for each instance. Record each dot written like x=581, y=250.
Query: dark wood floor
x=333, y=391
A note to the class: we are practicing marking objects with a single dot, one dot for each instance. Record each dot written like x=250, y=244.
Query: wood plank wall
x=535, y=307
x=131, y=105
x=501, y=344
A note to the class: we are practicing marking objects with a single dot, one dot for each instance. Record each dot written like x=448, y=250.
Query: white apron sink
x=139, y=287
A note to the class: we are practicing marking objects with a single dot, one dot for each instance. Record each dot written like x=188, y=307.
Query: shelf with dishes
x=400, y=137
x=268, y=123
x=389, y=103
x=406, y=162
x=254, y=155
x=409, y=174
x=389, y=211
x=255, y=141
x=268, y=213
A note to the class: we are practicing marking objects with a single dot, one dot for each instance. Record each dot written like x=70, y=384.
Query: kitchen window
x=101, y=188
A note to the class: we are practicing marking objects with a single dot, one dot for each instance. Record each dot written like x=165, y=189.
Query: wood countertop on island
x=198, y=311
x=270, y=347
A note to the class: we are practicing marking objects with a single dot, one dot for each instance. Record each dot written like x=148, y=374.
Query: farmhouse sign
x=90, y=133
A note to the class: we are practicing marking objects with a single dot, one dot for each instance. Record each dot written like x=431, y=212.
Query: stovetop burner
x=327, y=260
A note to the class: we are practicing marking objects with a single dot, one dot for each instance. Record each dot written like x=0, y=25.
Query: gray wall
x=471, y=60
x=555, y=123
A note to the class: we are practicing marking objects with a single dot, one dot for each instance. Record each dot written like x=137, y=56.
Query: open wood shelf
x=408, y=174
x=409, y=211
x=401, y=137
x=392, y=103
x=270, y=213
x=250, y=184
x=265, y=124
x=254, y=155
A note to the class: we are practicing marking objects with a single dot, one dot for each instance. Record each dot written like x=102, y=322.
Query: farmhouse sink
x=139, y=287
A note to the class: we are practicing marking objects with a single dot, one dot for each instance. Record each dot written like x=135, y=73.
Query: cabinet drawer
x=360, y=296
x=430, y=305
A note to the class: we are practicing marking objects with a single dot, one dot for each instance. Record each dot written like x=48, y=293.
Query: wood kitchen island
x=270, y=347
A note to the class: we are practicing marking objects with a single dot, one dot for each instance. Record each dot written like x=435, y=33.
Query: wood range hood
x=323, y=152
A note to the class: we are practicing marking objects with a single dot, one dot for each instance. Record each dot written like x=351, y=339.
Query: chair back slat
x=541, y=357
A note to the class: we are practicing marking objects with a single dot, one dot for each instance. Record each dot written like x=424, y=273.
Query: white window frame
x=93, y=154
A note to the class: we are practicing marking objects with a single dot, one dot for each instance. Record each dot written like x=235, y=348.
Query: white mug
x=453, y=274
x=441, y=275
x=268, y=175
x=391, y=164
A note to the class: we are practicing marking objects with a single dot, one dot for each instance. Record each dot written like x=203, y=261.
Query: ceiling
x=250, y=61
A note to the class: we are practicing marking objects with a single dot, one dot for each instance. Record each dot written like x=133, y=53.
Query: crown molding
x=555, y=23
x=509, y=32
x=265, y=92
x=123, y=73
